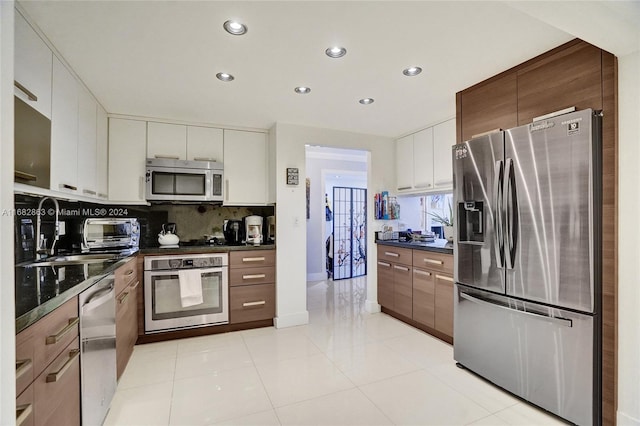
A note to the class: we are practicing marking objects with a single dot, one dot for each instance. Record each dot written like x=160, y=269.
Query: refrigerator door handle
x=556, y=320
x=498, y=177
x=511, y=208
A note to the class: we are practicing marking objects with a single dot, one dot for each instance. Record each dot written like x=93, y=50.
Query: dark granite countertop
x=42, y=289
x=440, y=246
x=203, y=249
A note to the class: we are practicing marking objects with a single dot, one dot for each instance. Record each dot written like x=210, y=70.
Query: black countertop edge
x=203, y=249
x=30, y=317
x=439, y=246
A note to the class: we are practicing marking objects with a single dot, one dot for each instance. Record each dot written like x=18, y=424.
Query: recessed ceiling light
x=235, y=27
x=302, y=90
x=366, y=101
x=223, y=76
x=336, y=52
x=411, y=71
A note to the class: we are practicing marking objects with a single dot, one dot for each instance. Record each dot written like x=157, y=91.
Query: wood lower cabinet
x=252, y=289
x=48, y=369
x=126, y=313
x=420, y=290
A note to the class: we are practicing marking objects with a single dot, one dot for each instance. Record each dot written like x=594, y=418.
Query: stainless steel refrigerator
x=527, y=262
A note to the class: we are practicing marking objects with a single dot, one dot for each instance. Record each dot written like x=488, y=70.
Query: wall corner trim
x=372, y=306
x=291, y=320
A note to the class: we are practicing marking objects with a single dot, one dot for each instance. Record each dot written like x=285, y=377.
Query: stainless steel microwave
x=181, y=180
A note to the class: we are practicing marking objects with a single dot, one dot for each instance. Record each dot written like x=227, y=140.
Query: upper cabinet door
x=245, y=168
x=444, y=137
x=87, y=143
x=404, y=163
x=489, y=106
x=423, y=159
x=167, y=141
x=32, y=68
x=64, y=130
x=127, y=168
x=204, y=144
x=102, y=153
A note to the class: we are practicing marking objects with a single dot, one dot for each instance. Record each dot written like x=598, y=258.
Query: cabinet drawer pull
x=386, y=265
x=134, y=286
x=428, y=274
x=23, y=412
x=402, y=188
x=129, y=272
x=26, y=91
x=51, y=340
x=433, y=261
x=24, y=176
x=444, y=278
x=253, y=277
x=67, y=186
x=167, y=157
x=203, y=159
x=402, y=268
x=423, y=185
x=22, y=366
x=247, y=304
x=253, y=259
x=392, y=254
x=88, y=191
x=122, y=298
x=444, y=182
x=55, y=376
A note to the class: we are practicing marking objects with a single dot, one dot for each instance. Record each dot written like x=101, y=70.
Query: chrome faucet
x=41, y=242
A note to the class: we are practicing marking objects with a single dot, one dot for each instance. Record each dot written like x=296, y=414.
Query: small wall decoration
x=292, y=176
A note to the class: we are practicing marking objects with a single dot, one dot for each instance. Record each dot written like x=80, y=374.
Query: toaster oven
x=110, y=233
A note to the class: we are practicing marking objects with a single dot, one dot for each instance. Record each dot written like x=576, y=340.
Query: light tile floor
x=346, y=367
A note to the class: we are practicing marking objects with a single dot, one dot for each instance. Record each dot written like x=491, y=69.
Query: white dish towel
x=190, y=287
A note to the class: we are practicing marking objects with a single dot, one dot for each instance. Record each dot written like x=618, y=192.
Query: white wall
x=290, y=143
x=7, y=298
x=629, y=240
x=316, y=224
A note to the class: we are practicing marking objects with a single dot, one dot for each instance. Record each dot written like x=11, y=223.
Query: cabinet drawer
x=125, y=275
x=251, y=258
x=394, y=254
x=57, y=389
x=25, y=363
x=126, y=325
x=432, y=260
x=252, y=303
x=250, y=276
x=53, y=333
x=25, y=408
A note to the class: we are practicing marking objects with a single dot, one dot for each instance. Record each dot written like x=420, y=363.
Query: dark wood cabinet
x=572, y=77
x=403, y=290
x=489, y=106
x=127, y=283
x=444, y=303
x=252, y=290
x=424, y=296
x=385, y=284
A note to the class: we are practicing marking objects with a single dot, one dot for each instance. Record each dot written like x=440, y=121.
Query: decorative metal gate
x=349, y=232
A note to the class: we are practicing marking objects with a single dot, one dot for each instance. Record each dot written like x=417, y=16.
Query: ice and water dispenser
x=471, y=221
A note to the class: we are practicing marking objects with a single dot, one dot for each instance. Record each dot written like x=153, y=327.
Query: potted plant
x=446, y=221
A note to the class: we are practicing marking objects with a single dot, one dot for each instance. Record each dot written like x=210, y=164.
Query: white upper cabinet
x=87, y=144
x=444, y=137
x=64, y=130
x=166, y=141
x=32, y=67
x=245, y=168
x=102, y=153
x=205, y=144
x=423, y=159
x=404, y=163
x=127, y=168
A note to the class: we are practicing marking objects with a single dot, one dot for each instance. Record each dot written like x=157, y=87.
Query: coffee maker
x=253, y=226
x=233, y=231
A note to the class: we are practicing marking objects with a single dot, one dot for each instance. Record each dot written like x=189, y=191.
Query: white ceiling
x=159, y=59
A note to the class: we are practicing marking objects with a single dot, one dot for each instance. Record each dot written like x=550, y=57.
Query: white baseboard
x=371, y=306
x=626, y=420
x=291, y=320
x=317, y=276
